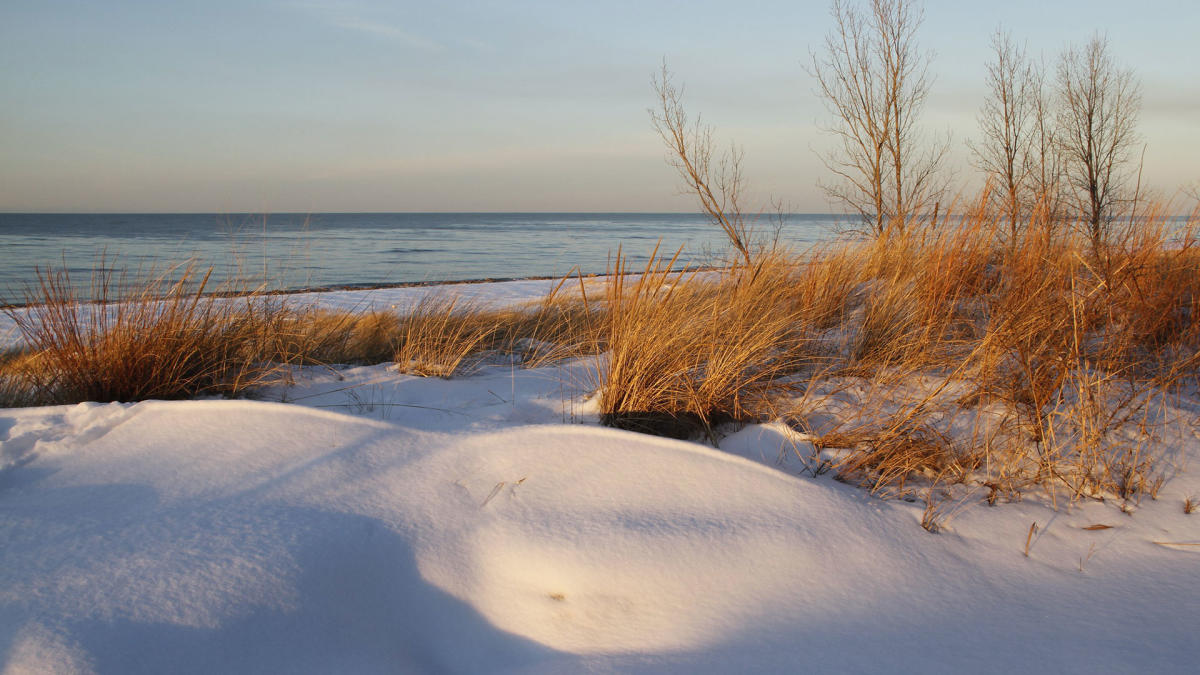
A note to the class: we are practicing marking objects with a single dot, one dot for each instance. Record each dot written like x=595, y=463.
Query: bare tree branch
x=719, y=184
x=1046, y=163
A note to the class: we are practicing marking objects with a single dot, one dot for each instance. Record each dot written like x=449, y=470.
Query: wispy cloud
x=363, y=18
x=390, y=31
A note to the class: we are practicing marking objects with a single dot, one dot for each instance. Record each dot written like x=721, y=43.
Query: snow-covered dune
x=238, y=536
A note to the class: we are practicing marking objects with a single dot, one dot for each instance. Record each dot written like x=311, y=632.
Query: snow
x=365, y=521
x=493, y=294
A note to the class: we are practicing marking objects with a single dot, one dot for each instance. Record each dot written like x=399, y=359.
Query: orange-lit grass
x=1064, y=354
x=684, y=352
x=146, y=338
x=1067, y=353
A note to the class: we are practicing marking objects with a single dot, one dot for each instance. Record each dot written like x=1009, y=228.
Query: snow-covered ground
x=367, y=521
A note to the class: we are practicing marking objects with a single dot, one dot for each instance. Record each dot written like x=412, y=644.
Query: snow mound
x=235, y=536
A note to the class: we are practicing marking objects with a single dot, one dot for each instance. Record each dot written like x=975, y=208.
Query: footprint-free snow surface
x=239, y=536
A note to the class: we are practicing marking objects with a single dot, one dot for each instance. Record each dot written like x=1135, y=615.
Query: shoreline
x=331, y=289
x=350, y=288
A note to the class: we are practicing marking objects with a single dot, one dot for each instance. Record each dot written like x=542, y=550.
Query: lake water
x=293, y=251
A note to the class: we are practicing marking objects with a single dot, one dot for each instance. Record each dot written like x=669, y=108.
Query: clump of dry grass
x=889, y=331
x=16, y=390
x=919, y=285
x=887, y=457
x=145, y=338
x=365, y=338
x=825, y=286
x=1071, y=354
x=1066, y=355
x=439, y=332
x=566, y=323
x=685, y=353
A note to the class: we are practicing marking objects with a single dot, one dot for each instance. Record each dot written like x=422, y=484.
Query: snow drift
x=238, y=536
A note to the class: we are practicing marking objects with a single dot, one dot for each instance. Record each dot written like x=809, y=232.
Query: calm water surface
x=292, y=251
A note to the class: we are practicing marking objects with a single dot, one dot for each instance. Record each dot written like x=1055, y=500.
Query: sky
x=363, y=105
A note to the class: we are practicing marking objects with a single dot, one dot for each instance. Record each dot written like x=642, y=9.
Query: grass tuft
x=439, y=332
x=150, y=338
x=686, y=352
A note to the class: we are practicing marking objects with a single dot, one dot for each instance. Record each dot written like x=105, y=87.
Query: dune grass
x=443, y=335
x=935, y=356
x=685, y=352
x=150, y=337
x=965, y=356
x=16, y=383
x=346, y=337
x=1062, y=357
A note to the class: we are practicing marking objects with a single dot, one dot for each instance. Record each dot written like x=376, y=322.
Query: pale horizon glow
x=367, y=106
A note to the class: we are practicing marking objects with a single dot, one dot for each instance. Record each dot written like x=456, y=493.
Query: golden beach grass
x=964, y=354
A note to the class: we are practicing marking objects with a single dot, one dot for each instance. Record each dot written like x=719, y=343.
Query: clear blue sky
x=485, y=106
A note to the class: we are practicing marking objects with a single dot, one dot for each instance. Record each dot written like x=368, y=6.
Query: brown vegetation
x=158, y=338
x=166, y=338
x=944, y=354
x=685, y=351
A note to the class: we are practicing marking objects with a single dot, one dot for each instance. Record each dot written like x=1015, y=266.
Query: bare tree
x=1008, y=121
x=874, y=83
x=1097, y=121
x=914, y=164
x=717, y=182
x=1045, y=163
